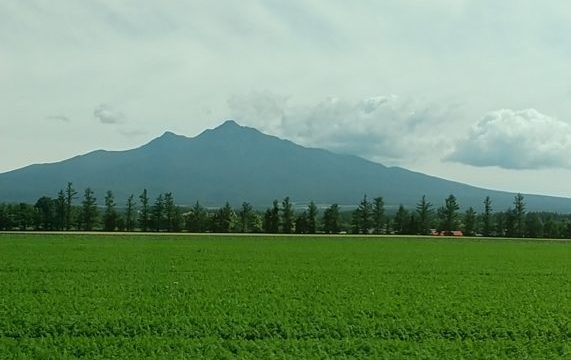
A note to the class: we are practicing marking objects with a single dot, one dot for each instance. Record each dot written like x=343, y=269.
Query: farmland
x=121, y=296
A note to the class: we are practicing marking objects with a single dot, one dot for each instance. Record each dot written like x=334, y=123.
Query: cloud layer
x=510, y=139
x=389, y=129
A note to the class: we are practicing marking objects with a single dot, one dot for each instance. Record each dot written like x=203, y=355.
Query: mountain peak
x=229, y=124
x=168, y=134
x=230, y=129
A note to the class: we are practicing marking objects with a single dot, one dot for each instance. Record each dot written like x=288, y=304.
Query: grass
x=128, y=296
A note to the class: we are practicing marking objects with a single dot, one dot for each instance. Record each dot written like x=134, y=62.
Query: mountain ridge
x=236, y=163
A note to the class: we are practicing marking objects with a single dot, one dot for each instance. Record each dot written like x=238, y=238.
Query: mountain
x=235, y=163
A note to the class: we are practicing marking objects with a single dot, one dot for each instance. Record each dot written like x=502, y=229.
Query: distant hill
x=235, y=163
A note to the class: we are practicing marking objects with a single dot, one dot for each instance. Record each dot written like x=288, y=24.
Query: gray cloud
x=390, y=129
x=525, y=139
x=108, y=115
x=61, y=118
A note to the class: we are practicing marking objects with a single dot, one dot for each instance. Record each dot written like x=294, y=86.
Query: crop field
x=225, y=297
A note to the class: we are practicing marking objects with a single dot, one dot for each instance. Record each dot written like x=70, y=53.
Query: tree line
x=69, y=212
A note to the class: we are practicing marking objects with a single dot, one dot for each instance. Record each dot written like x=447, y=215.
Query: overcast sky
x=475, y=91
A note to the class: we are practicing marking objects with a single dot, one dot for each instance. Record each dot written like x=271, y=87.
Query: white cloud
x=106, y=114
x=525, y=139
x=390, y=129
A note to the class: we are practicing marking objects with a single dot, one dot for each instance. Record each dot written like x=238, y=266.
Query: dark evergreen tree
x=60, y=211
x=311, y=218
x=510, y=223
x=302, y=223
x=45, y=209
x=272, y=219
x=378, y=215
x=411, y=227
x=24, y=216
x=110, y=215
x=158, y=213
x=448, y=214
x=533, y=226
x=224, y=219
x=70, y=195
x=287, y=216
x=401, y=220
x=470, y=217
x=88, y=210
x=500, y=223
x=551, y=229
x=567, y=230
x=197, y=219
x=5, y=223
x=519, y=215
x=171, y=213
x=331, y=219
x=362, y=217
x=130, y=213
x=145, y=213
x=487, y=217
x=246, y=218
x=424, y=211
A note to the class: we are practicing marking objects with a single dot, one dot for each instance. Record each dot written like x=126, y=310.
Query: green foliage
x=331, y=218
x=272, y=219
x=378, y=215
x=487, y=217
x=247, y=218
x=171, y=297
x=361, y=222
x=425, y=213
x=196, y=219
x=89, y=211
x=110, y=217
x=70, y=195
x=470, y=218
x=165, y=215
x=312, y=213
x=224, y=219
x=45, y=213
x=519, y=215
x=130, y=213
x=401, y=219
x=287, y=216
x=145, y=213
x=448, y=214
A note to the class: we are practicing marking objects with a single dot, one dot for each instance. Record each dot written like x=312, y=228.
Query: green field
x=103, y=297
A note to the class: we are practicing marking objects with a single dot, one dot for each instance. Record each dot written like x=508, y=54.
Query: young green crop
x=101, y=297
